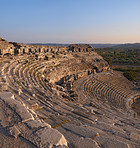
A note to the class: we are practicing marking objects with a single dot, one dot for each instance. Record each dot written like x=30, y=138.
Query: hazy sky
x=70, y=21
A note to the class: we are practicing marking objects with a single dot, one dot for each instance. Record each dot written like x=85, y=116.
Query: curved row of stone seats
x=6, y=68
x=28, y=95
x=34, y=74
x=25, y=73
x=25, y=94
x=87, y=83
x=12, y=71
x=37, y=75
x=114, y=89
x=28, y=73
x=43, y=84
x=30, y=69
x=3, y=66
x=35, y=71
x=116, y=96
x=96, y=89
x=26, y=70
x=17, y=73
x=16, y=70
x=9, y=72
x=88, y=87
x=28, y=78
x=114, y=86
x=117, y=93
x=120, y=88
x=124, y=93
x=11, y=78
x=3, y=84
x=110, y=93
x=21, y=73
x=12, y=85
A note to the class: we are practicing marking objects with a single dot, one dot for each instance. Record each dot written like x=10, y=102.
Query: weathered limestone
x=87, y=106
x=75, y=68
x=48, y=135
x=80, y=48
x=36, y=124
x=41, y=135
x=14, y=48
x=6, y=47
x=111, y=143
x=13, y=131
x=38, y=132
x=86, y=143
x=24, y=114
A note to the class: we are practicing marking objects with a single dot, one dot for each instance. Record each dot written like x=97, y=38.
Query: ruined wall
x=14, y=48
x=6, y=47
x=75, y=66
x=80, y=48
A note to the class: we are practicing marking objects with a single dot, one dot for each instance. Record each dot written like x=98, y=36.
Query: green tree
x=109, y=60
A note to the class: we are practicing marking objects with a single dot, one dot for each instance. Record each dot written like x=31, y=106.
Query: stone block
x=21, y=110
x=36, y=124
x=13, y=131
x=86, y=143
x=47, y=136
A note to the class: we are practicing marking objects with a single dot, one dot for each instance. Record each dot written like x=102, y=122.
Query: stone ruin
x=59, y=97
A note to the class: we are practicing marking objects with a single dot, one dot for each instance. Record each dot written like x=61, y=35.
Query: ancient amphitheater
x=59, y=97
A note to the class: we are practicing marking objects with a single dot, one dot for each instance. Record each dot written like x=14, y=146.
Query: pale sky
x=70, y=21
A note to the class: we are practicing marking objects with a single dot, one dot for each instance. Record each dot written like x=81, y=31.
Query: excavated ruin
x=59, y=97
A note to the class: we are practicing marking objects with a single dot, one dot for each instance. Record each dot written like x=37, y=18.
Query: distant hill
x=50, y=44
x=116, y=46
x=126, y=46
x=104, y=45
x=4, y=43
x=66, y=45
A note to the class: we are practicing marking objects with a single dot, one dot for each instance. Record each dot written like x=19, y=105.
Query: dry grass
x=95, y=136
x=59, y=124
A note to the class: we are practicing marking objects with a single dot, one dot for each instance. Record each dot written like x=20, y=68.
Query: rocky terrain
x=64, y=97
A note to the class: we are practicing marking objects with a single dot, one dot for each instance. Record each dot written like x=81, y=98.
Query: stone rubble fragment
x=13, y=131
x=36, y=131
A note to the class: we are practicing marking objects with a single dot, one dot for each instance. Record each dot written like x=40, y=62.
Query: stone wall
x=80, y=48
x=14, y=48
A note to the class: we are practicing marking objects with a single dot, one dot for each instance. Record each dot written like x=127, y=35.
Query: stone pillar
x=94, y=71
x=19, y=91
x=135, y=115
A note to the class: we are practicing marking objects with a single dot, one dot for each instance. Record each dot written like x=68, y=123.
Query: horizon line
x=79, y=43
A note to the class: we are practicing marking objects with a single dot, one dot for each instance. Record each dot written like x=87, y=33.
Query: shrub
x=109, y=60
x=132, y=75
